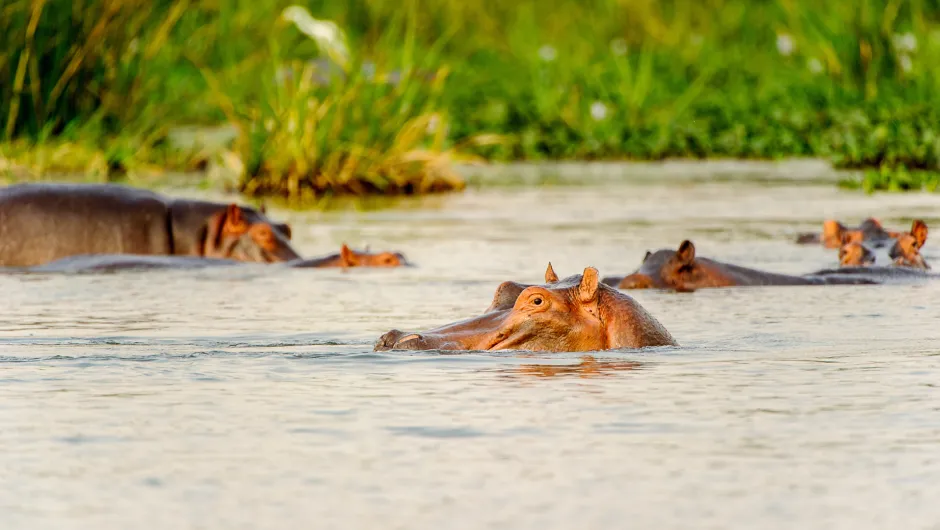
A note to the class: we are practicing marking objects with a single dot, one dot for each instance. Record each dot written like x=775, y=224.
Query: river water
x=251, y=398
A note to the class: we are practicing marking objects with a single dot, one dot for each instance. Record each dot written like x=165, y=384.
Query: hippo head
x=574, y=314
x=855, y=255
x=906, y=249
x=673, y=269
x=238, y=235
x=353, y=258
x=869, y=231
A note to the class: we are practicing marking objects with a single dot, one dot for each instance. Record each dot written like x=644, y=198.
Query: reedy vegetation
x=601, y=79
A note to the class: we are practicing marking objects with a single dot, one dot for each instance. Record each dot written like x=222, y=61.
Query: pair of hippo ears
x=587, y=289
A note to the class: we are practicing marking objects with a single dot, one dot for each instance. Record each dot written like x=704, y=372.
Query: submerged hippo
x=905, y=251
x=97, y=263
x=93, y=263
x=835, y=234
x=347, y=257
x=575, y=314
x=681, y=270
x=40, y=223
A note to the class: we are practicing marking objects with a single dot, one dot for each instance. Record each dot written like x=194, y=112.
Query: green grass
x=894, y=179
x=528, y=80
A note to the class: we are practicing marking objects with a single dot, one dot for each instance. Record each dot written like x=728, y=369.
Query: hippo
x=575, y=314
x=92, y=263
x=905, y=251
x=106, y=263
x=43, y=222
x=682, y=271
x=347, y=257
x=835, y=234
x=855, y=254
x=882, y=273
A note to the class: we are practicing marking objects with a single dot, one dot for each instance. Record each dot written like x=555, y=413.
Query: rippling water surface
x=251, y=398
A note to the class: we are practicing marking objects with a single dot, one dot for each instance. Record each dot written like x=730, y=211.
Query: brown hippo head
x=677, y=269
x=869, y=231
x=575, y=314
x=354, y=258
x=237, y=235
x=855, y=254
x=906, y=249
x=347, y=257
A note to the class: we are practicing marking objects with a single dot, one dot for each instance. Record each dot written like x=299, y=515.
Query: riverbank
x=385, y=97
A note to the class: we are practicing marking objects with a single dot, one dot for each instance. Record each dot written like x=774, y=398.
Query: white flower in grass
x=598, y=111
x=325, y=33
x=906, y=63
x=618, y=47
x=548, y=53
x=906, y=42
x=785, y=44
x=814, y=65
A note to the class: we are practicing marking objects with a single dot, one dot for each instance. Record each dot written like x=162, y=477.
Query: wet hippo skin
x=683, y=271
x=96, y=263
x=43, y=222
x=574, y=314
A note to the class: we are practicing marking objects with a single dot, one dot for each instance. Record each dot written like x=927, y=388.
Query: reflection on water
x=251, y=397
x=587, y=367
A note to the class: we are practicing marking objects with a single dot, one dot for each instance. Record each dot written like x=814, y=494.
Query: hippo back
x=40, y=223
x=108, y=263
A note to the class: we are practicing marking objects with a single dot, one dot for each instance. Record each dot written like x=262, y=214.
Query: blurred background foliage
x=380, y=96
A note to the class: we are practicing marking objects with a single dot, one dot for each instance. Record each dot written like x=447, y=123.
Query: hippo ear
x=919, y=231
x=550, y=276
x=235, y=220
x=348, y=257
x=686, y=252
x=647, y=256
x=833, y=229
x=587, y=290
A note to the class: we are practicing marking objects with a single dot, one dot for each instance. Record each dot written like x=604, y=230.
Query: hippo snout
x=395, y=339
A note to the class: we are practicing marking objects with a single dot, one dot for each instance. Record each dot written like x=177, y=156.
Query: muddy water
x=250, y=398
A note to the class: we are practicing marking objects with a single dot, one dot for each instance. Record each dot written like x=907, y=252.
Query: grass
x=97, y=87
x=895, y=179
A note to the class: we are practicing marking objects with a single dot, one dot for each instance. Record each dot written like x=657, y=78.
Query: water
x=250, y=398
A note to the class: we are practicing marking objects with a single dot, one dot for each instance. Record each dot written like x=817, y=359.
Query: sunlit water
x=250, y=397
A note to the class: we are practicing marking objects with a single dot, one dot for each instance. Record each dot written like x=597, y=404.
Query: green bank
x=329, y=98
